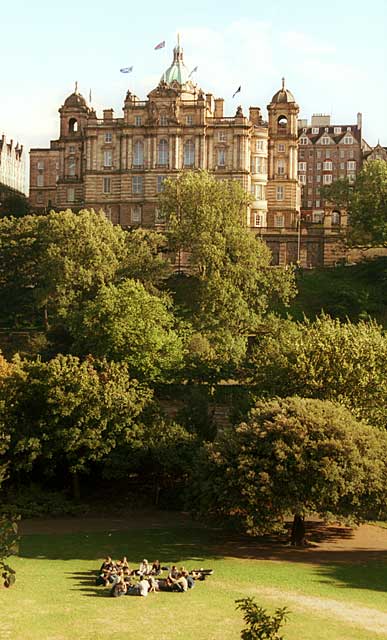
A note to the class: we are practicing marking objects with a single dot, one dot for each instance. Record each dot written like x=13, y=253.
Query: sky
x=333, y=55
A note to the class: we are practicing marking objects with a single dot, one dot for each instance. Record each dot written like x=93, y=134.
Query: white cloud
x=305, y=43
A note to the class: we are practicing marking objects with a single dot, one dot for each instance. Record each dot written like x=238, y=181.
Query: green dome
x=177, y=72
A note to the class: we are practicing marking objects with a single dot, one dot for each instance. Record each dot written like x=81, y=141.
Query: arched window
x=282, y=122
x=71, y=166
x=163, y=152
x=138, y=153
x=189, y=154
x=73, y=125
x=335, y=217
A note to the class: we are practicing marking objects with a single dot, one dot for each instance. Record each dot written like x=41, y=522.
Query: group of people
x=147, y=578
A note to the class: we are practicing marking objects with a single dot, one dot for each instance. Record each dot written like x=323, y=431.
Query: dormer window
x=325, y=140
x=108, y=136
x=315, y=130
x=348, y=140
x=337, y=130
x=304, y=140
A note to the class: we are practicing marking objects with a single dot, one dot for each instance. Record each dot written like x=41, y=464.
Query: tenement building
x=12, y=167
x=118, y=164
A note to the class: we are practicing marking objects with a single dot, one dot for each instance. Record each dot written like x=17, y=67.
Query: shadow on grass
x=359, y=568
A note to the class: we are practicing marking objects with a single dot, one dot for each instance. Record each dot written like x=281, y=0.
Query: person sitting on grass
x=156, y=568
x=144, y=569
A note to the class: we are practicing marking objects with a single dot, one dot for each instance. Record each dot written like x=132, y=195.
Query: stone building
x=118, y=164
x=12, y=167
x=326, y=153
x=375, y=153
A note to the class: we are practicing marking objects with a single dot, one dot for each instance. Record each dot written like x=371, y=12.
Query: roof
x=75, y=100
x=283, y=95
x=177, y=72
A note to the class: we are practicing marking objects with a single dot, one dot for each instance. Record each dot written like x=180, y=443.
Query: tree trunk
x=45, y=318
x=297, y=537
x=76, y=486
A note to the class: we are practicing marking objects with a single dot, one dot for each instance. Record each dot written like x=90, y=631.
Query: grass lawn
x=55, y=598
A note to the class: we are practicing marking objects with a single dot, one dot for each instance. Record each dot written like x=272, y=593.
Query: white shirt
x=144, y=587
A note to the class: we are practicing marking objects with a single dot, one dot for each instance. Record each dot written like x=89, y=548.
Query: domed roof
x=283, y=95
x=75, y=100
x=177, y=72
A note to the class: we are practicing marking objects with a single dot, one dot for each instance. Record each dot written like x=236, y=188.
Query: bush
x=34, y=501
x=261, y=625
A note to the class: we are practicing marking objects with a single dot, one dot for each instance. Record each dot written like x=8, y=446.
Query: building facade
x=12, y=167
x=119, y=164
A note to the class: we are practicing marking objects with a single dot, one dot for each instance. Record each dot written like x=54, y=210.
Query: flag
x=161, y=45
x=90, y=96
x=237, y=91
x=126, y=69
x=193, y=71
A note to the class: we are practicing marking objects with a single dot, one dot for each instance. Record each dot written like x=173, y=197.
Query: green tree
x=13, y=204
x=50, y=264
x=366, y=201
x=293, y=456
x=325, y=359
x=231, y=284
x=68, y=413
x=261, y=625
x=127, y=323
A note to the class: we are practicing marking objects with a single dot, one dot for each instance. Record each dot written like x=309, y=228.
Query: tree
x=293, y=456
x=8, y=546
x=51, y=264
x=127, y=323
x=146, y=259
x=68, y=413
x=261, y=625
x=231, y=284
x=325, y=359
x=366, y=202
x=13, y=204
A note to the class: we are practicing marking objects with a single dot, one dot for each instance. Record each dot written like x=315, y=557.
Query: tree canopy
x=125, y=322
x=294, y=456
x=366, y=201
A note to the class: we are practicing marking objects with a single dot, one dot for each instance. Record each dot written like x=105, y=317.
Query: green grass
x=55, y=597
x=356, y=292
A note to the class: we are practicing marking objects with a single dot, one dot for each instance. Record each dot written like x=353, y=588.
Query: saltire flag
x=126, y=69
x=193, y=71
x=237, y=91
x=161, y=45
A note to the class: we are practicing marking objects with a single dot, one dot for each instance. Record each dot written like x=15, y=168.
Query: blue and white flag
x=126, y=69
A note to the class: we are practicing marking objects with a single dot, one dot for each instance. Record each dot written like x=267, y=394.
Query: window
x=318, y=166
x=281, y=167
x=319, y=154
x=257, y=164
x=325, y=140
x=310, y=178
x=315, y=130
x=281, y=148
x=302, y=166
x=106, y=185
x=348, y=128
x=108, y=136
x=71, y=166
x=337, y=130
x=317, y=203
x=71, y=195
x=137, y=184
x=327, y=178
x=352, y=177
x=189, y=120
x=40, y=165
x=257, y=219
x=163, y=152
x=328, y=165
x=317, y=216
x=342, y=153
x=57, y=166
x=258, y=191
x=280, y=193
x=326, y=129
x=137, y=121
x=163, y=120
x=348, y=140
x=159, y=216
x=335, y=217
x=221, y=158
x=136, y=213
x=39, y=197
x=160, y=180
x=351, y=165
x=260, y=145
x=189, y=154
x=318, y=178
x=310, y=191
x=138, y=153
x=107, y=159
x=309, y=204
x=302, y=179
x=40, y=180
x=279, y=220
x=71, y=149
x=222, y=136
x=304, y=140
